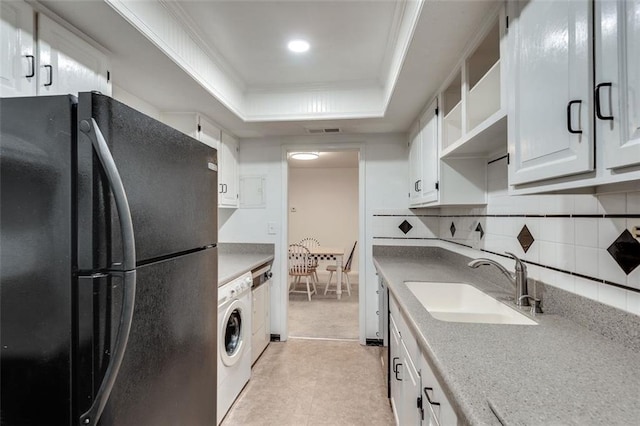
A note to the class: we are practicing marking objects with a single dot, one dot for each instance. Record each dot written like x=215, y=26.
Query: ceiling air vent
x=321, y=131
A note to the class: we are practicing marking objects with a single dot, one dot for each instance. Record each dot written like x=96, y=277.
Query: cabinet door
x=411, y=414
x=17, y=50
x=618, y=81
x=228, y=174
x=395, y=369
x=66, y=63
x=415, y=168
x=430, y=157
x=550, y=129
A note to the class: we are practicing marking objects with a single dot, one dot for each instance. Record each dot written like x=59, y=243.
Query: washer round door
x=233, y=335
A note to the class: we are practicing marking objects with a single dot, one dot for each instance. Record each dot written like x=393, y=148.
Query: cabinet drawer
x=403, y=329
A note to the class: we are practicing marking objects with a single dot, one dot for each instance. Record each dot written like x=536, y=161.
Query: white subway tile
x=612, y=203
x=633, y=202
x=608, y=269
x=612, y=296
x=586, y=288
x=608, y=230
x=585, y=204
x=633, y=302
x=557, y=229
x=586, y=231
x=587, y=261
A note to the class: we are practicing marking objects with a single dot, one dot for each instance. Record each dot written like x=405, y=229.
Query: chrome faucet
x=517, y=279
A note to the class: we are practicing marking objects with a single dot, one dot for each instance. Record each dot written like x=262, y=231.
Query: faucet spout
x=517, y=279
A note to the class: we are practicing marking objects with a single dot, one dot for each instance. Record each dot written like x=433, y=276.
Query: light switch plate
x=271, y=228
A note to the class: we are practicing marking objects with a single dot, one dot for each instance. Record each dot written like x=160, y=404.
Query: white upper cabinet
x=46, y=59
x=429, y=155
x=550, y=116
x=17, y=49
x=68, y=64
x=199, y=127
x=415, y=166
x=228, y=172
x=617, y=94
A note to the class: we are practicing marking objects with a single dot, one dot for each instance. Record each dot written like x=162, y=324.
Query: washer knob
x=233, y=292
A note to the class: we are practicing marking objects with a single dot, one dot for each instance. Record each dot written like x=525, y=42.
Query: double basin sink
x=460, y=302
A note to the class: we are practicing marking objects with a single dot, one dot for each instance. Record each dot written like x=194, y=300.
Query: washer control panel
x=235, y=288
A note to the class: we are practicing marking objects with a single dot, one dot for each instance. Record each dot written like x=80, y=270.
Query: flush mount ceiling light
x=304, y=155
x=298, y=46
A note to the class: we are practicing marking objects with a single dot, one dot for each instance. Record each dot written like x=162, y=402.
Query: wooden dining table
x=331, y=253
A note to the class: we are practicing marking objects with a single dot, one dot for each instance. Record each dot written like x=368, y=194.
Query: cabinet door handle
x=398, y=368
x=429, y=399
x=226, y=189
x=419, y=185
x=569, y=124
x=221, y=191
x=393, y=363
x=32, y=66
x=598, y=109
x=50, y=68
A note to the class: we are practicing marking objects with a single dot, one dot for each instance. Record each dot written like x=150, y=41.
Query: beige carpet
x=324, y=316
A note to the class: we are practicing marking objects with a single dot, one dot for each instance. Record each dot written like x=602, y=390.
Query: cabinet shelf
x=485, y=139
x=483, y=99
x=452, y=123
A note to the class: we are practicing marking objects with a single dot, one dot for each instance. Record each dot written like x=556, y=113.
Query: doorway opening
x=324, y=207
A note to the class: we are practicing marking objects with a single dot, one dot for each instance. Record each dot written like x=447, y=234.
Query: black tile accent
x=625, y=250
x=480, y=230
x=452, y=228
x=405, y=227
x=525, y=238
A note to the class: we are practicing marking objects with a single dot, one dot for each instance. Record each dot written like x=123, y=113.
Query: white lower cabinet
x=260, y=320
x=416, y=395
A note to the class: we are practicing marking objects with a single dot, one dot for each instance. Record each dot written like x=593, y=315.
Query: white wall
x=385, y=173
x=571, y=235
x=326, y=208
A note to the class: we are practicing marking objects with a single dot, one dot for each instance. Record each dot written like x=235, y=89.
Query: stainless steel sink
x=460, y=302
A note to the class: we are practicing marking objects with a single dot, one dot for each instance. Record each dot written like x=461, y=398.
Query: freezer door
x=168, y=374
x=36, y=253
x=169, y=178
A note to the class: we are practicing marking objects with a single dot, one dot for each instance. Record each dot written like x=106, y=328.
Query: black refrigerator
x=108, y=261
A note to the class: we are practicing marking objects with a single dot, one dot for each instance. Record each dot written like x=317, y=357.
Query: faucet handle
x=519, y=263
x=536, y=307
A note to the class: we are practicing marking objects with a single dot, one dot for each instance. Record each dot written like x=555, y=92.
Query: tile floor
x=324, y=316
x=314, y=382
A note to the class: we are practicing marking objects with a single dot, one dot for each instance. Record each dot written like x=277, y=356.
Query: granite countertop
x=234, y=259
x=553, y=373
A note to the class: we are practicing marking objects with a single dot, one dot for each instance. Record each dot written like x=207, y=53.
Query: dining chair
x=311, y=243
x=346, y=268
x=299, y=267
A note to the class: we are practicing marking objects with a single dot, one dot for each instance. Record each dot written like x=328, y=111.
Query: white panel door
x=17, y=49
x=618, y=81
x=228, y=171
x=551, y=132
x=66, y=63
x=430, y=156
x=415, y=168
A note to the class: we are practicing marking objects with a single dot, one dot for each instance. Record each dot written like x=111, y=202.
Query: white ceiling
x=352, y=44
x=349, y=39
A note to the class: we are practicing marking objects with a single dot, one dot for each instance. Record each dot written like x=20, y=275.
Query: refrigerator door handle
x=117, y=188
x=91, y=416
x=92, y=130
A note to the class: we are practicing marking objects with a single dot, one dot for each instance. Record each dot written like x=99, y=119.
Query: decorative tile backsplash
x=578, y=242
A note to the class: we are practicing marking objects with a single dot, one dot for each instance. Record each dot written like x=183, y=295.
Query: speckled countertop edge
x=554, y=373
x=234, y=259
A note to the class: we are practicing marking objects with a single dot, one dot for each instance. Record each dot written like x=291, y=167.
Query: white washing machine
x=234, y=340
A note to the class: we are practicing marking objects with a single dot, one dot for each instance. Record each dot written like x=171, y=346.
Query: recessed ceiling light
x=298, y=46
x=305, y=155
